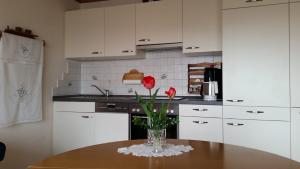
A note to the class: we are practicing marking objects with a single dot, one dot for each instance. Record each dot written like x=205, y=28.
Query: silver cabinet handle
x=145, y=40
x=85, y=117
x=235, y=124
x=198, y=122
x=200, y=110
x=193, y=47
x=237, y=101
x=127, y=51
x=249, y=1
x=257, y=112
x=96, y=53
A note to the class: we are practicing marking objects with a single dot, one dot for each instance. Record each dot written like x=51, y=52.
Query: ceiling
x=86, y=1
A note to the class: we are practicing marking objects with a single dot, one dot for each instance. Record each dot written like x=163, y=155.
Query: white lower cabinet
x=72, y=130
x=200, y=122
x=204, y=129
x=111, y=127
x=296, y=134
x=269, y=136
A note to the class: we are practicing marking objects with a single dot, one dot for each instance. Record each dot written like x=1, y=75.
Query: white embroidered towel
x=21, y=70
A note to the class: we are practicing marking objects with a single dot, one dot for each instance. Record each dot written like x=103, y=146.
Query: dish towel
x=21, y=71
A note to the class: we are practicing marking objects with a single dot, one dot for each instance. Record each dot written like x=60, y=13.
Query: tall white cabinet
x=296, y=134
x=256, y=81
x=295, y=79
x=202, y=26
x=256, y=56
x=295, y=53
x=84, y=33
x=262, y=128
x=159, y=22
x=120, y=31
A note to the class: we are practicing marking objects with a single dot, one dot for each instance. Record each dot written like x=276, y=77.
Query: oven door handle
x=140, y=117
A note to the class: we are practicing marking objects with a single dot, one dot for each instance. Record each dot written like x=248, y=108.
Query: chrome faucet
x=106, y=93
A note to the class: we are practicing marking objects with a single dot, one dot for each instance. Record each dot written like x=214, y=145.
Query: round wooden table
x=205, y=155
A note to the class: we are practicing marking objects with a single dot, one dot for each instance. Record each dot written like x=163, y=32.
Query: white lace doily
x=143, y=150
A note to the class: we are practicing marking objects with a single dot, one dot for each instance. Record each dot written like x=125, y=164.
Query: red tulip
x=148, y=82
x=171, y=92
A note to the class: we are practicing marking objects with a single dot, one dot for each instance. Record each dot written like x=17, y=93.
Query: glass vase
x=157, y=138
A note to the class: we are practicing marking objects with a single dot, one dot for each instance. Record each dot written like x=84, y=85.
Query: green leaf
x=139, y=122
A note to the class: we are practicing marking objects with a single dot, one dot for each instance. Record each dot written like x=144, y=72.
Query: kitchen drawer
x=227, y=4
x=269, y=136
x=200, y=110
x=257, y=113
x=204, y=129
x=85, y=107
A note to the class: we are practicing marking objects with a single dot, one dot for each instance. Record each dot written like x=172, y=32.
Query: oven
x=136, y=132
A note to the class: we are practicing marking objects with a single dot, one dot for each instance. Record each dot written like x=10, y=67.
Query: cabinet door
x=256, y=56
x=200, y=110
x=120, y=31
x=84, y=33
x=159, y=22
x=202, y=26
x=295, y=54
x=296, y=134
x=269, y=136
x=204, y=129
x=111, y=127
x=71, y=131
x=246, y=3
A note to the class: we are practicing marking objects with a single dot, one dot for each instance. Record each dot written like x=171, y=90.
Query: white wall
x=29, y=143
x=108, y=3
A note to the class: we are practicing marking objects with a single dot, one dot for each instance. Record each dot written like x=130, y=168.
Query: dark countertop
x=196, y=100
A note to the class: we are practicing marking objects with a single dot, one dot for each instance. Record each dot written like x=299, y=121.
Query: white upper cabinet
x=247, y=3
x=296, y=134
x=159, y=22
x=256, y=56
x=84, y=33
x=295, y=54
x=202, y=26
x=120, y=31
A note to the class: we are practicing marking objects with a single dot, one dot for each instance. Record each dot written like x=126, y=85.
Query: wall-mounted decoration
x=133, y=77
x=19, y=31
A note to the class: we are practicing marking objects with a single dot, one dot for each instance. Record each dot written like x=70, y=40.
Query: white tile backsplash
x=71, y=81
x=169, y=67
x=171, y=63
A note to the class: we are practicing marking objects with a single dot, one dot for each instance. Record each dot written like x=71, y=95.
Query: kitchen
x=253, y=42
